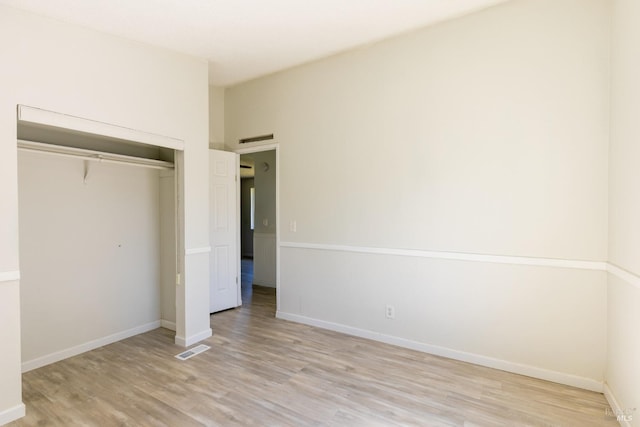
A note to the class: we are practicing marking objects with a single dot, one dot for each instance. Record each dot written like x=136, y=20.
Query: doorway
x=247, y=225
x=259, y=231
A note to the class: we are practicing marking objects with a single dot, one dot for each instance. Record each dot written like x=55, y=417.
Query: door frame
x=257, y=149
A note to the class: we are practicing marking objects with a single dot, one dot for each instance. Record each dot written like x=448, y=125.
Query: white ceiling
x=244, y=39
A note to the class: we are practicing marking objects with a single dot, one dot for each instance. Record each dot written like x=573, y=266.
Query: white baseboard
x=616, y=409
x=91, y=345
x=12, y=414
x=490, y=362
x=186, y=342
x=168, y=325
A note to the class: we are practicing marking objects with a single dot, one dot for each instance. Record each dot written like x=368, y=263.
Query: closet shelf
x=92, y=155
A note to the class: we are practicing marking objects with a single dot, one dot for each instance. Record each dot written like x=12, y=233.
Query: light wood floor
x=261, y=371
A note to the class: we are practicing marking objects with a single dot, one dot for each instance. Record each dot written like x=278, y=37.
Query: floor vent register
x=192, y=352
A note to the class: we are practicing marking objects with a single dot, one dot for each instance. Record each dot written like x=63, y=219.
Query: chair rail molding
x=629, y=277
x=457, y=256
x=9, y=276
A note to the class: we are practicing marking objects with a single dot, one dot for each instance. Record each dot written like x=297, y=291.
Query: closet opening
x=100, y=229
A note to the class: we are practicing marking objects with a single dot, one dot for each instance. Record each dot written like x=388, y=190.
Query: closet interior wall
x=97, y=253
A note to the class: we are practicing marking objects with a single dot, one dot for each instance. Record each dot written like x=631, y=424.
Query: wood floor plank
x=261, y=371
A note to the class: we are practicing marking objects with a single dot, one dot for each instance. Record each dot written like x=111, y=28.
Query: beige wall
x=167, y=250
x=623, y=369
x=485, y=115
x=483, y=135
x=216, y=117
x=71, y=70
x=265, y=184
x=89, y=252
x=264, y=235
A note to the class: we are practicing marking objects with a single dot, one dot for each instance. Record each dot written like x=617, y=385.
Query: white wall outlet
x=265, y=222
x=390, y=312
x=293, y=226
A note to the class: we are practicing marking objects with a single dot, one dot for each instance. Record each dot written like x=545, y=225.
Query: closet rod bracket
x=86, y=172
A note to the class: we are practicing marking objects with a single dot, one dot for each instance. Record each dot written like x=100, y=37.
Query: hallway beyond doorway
x=246, y=279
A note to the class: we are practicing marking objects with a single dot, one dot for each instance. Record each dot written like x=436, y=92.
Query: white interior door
x=224, y=282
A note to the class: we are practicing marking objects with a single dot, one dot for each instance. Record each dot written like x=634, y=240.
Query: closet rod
x=91, y=155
